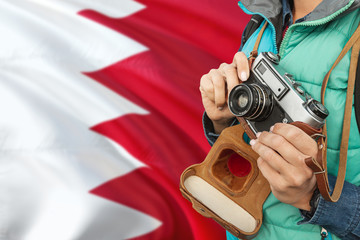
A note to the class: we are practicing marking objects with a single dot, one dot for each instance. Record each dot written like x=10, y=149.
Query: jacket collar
x=272, y=9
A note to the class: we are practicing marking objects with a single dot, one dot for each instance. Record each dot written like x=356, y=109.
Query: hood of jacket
x=272, y=10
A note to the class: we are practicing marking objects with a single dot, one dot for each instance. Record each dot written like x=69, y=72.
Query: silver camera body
x=271, y=95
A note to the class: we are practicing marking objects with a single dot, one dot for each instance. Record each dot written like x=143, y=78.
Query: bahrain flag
x=100, y=114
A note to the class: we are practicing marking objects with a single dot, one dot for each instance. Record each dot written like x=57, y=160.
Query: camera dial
x=275, y=58
x=317, y=109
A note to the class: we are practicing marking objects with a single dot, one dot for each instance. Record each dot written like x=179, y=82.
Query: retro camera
x=271, y=95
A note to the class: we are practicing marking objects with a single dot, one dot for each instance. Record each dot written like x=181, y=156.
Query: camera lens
x=251, y=101
x=243, y=100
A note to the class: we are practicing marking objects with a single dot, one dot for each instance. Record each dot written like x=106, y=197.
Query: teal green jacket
x=308, y=51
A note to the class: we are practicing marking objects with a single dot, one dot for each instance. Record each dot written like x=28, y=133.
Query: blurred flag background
x=100, y=113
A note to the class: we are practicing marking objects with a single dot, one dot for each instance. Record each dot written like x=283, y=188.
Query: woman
x=308, y=35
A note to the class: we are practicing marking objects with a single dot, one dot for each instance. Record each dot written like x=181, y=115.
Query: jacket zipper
x=290, y=29
x=312, y=24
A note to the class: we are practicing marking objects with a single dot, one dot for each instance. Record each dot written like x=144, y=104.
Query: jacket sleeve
x=341, y=218
x=210, y=134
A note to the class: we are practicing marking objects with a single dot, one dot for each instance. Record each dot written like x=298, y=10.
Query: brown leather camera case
x=234, y=202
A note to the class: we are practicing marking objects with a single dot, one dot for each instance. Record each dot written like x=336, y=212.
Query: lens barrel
x=251, y=101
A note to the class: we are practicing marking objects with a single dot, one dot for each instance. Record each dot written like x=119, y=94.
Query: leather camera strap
x=254, y=52
x=253, y=55
x=320, y=166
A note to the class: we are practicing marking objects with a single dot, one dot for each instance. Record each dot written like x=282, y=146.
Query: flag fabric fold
x=100, y=114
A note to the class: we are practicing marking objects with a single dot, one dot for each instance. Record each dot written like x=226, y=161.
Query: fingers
x=207, y=86
x=213, y=86
x=230, y=74
x=281, y=172
x=282, y=154
x=280, y=145
x=298, y=138
x=218, y=82
x=285, y=149
x=271, y=157
x=292, y=188
x=236, y=71
x=268, y=171
x=242, y=65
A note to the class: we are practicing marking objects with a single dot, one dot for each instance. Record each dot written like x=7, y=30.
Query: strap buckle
x=316, y=136
x=323, y=171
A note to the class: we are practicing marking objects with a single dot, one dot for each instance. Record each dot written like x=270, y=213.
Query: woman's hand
x=282, y=154
x=217, y=84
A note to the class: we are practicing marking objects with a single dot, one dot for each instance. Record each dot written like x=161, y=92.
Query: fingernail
x=258, y=134
x=243, y=76
x=271, y=128
x=252, y=142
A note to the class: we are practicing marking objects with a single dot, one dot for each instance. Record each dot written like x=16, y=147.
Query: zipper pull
x=323, y=233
